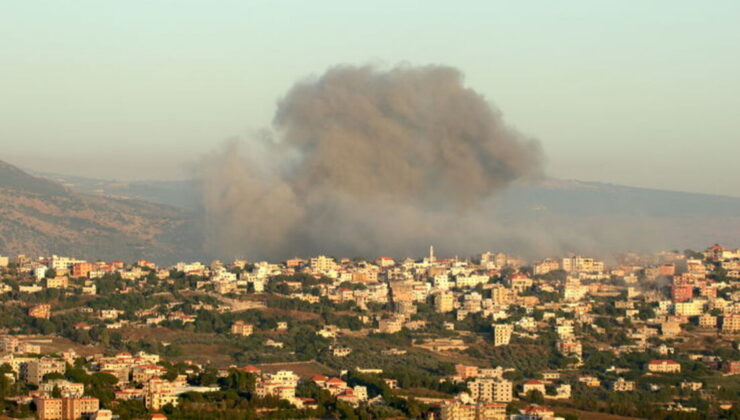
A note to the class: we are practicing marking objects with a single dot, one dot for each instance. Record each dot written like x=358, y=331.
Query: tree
x=535, y=397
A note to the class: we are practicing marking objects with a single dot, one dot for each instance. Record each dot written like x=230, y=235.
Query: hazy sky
x=643, y=93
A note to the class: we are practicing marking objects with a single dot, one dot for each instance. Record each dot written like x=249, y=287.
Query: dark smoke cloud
x=366, y=162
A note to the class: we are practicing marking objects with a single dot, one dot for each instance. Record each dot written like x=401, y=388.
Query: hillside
x=41, y=217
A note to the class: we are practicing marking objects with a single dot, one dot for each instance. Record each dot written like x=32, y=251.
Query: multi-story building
x=582, y=264
x=82, y=269
x=491, y=389
x=159, y=392
x=708, y=320
x=37, y=368
x=65, y=408
x=456, y=410
x=519, y=282
x=466, y=371
x=501, y=295
x=444, y=302
x=58, y=282
x=682, y=292
x=731, y=323
x=322, y=264
x=502, y=334
x=670, y=328
x=68, y=389
x=689, y=308
x=545, y=266
x=390, y=325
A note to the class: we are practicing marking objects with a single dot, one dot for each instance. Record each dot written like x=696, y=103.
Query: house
x=620, y=385
x=663, y=366
x=242, y=328
x=341, y=351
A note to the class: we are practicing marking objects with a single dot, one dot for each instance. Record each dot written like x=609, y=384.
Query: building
x=444, y=302
x=40, y=311
x=582, y=264
x=322, y=264
x=688, y=308
x=37, y=368
x=620, y=385
x=545, y=266
x=58, y=282
x=456, y=410
x=67, y=388
x=501, y=295
x=465, y=371
x=534, y=385
x=158, y=393
x=390, y=325
x=535, y=412
x=519, y=282
x=664, y=366
x=82, y=269
x=242, y=328
x=502, y=334
x=670, y=328
x=682, y=292
x=491, y=389
x=65, y=408
x=731, y=323
x=708, y=320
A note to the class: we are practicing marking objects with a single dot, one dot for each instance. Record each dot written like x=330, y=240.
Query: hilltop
x=42, y=217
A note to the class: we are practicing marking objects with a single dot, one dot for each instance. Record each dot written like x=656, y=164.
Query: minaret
x=431, y=254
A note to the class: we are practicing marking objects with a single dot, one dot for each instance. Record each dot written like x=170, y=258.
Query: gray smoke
x=366, y=162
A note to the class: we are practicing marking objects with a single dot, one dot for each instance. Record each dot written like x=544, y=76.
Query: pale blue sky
x=643, y=93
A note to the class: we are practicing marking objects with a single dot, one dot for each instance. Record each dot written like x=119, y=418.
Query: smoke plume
x=366, y=161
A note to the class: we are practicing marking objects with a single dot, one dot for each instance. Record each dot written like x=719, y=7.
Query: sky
x=640, y=93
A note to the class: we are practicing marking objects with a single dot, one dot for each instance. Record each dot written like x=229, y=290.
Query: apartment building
x=491, y=389
x=65, y=408
x=502, y=334
x=36, y=369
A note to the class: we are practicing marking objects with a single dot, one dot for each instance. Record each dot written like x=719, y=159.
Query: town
x=487, y=337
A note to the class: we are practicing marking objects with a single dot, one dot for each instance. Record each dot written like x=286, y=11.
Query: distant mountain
x=15, y=179
x=180, y=193
x=550, y=218
x=41, y=217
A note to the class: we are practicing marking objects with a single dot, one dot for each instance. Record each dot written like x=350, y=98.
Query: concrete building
x=731, y=323
x=37, y=368
x=444, y=302
x=40, y=311
x=502, y=334
x=456, y=410
x=664, y=366
x=65, y=408
x=242, y=328
x=491, y=389
x=322, y=264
